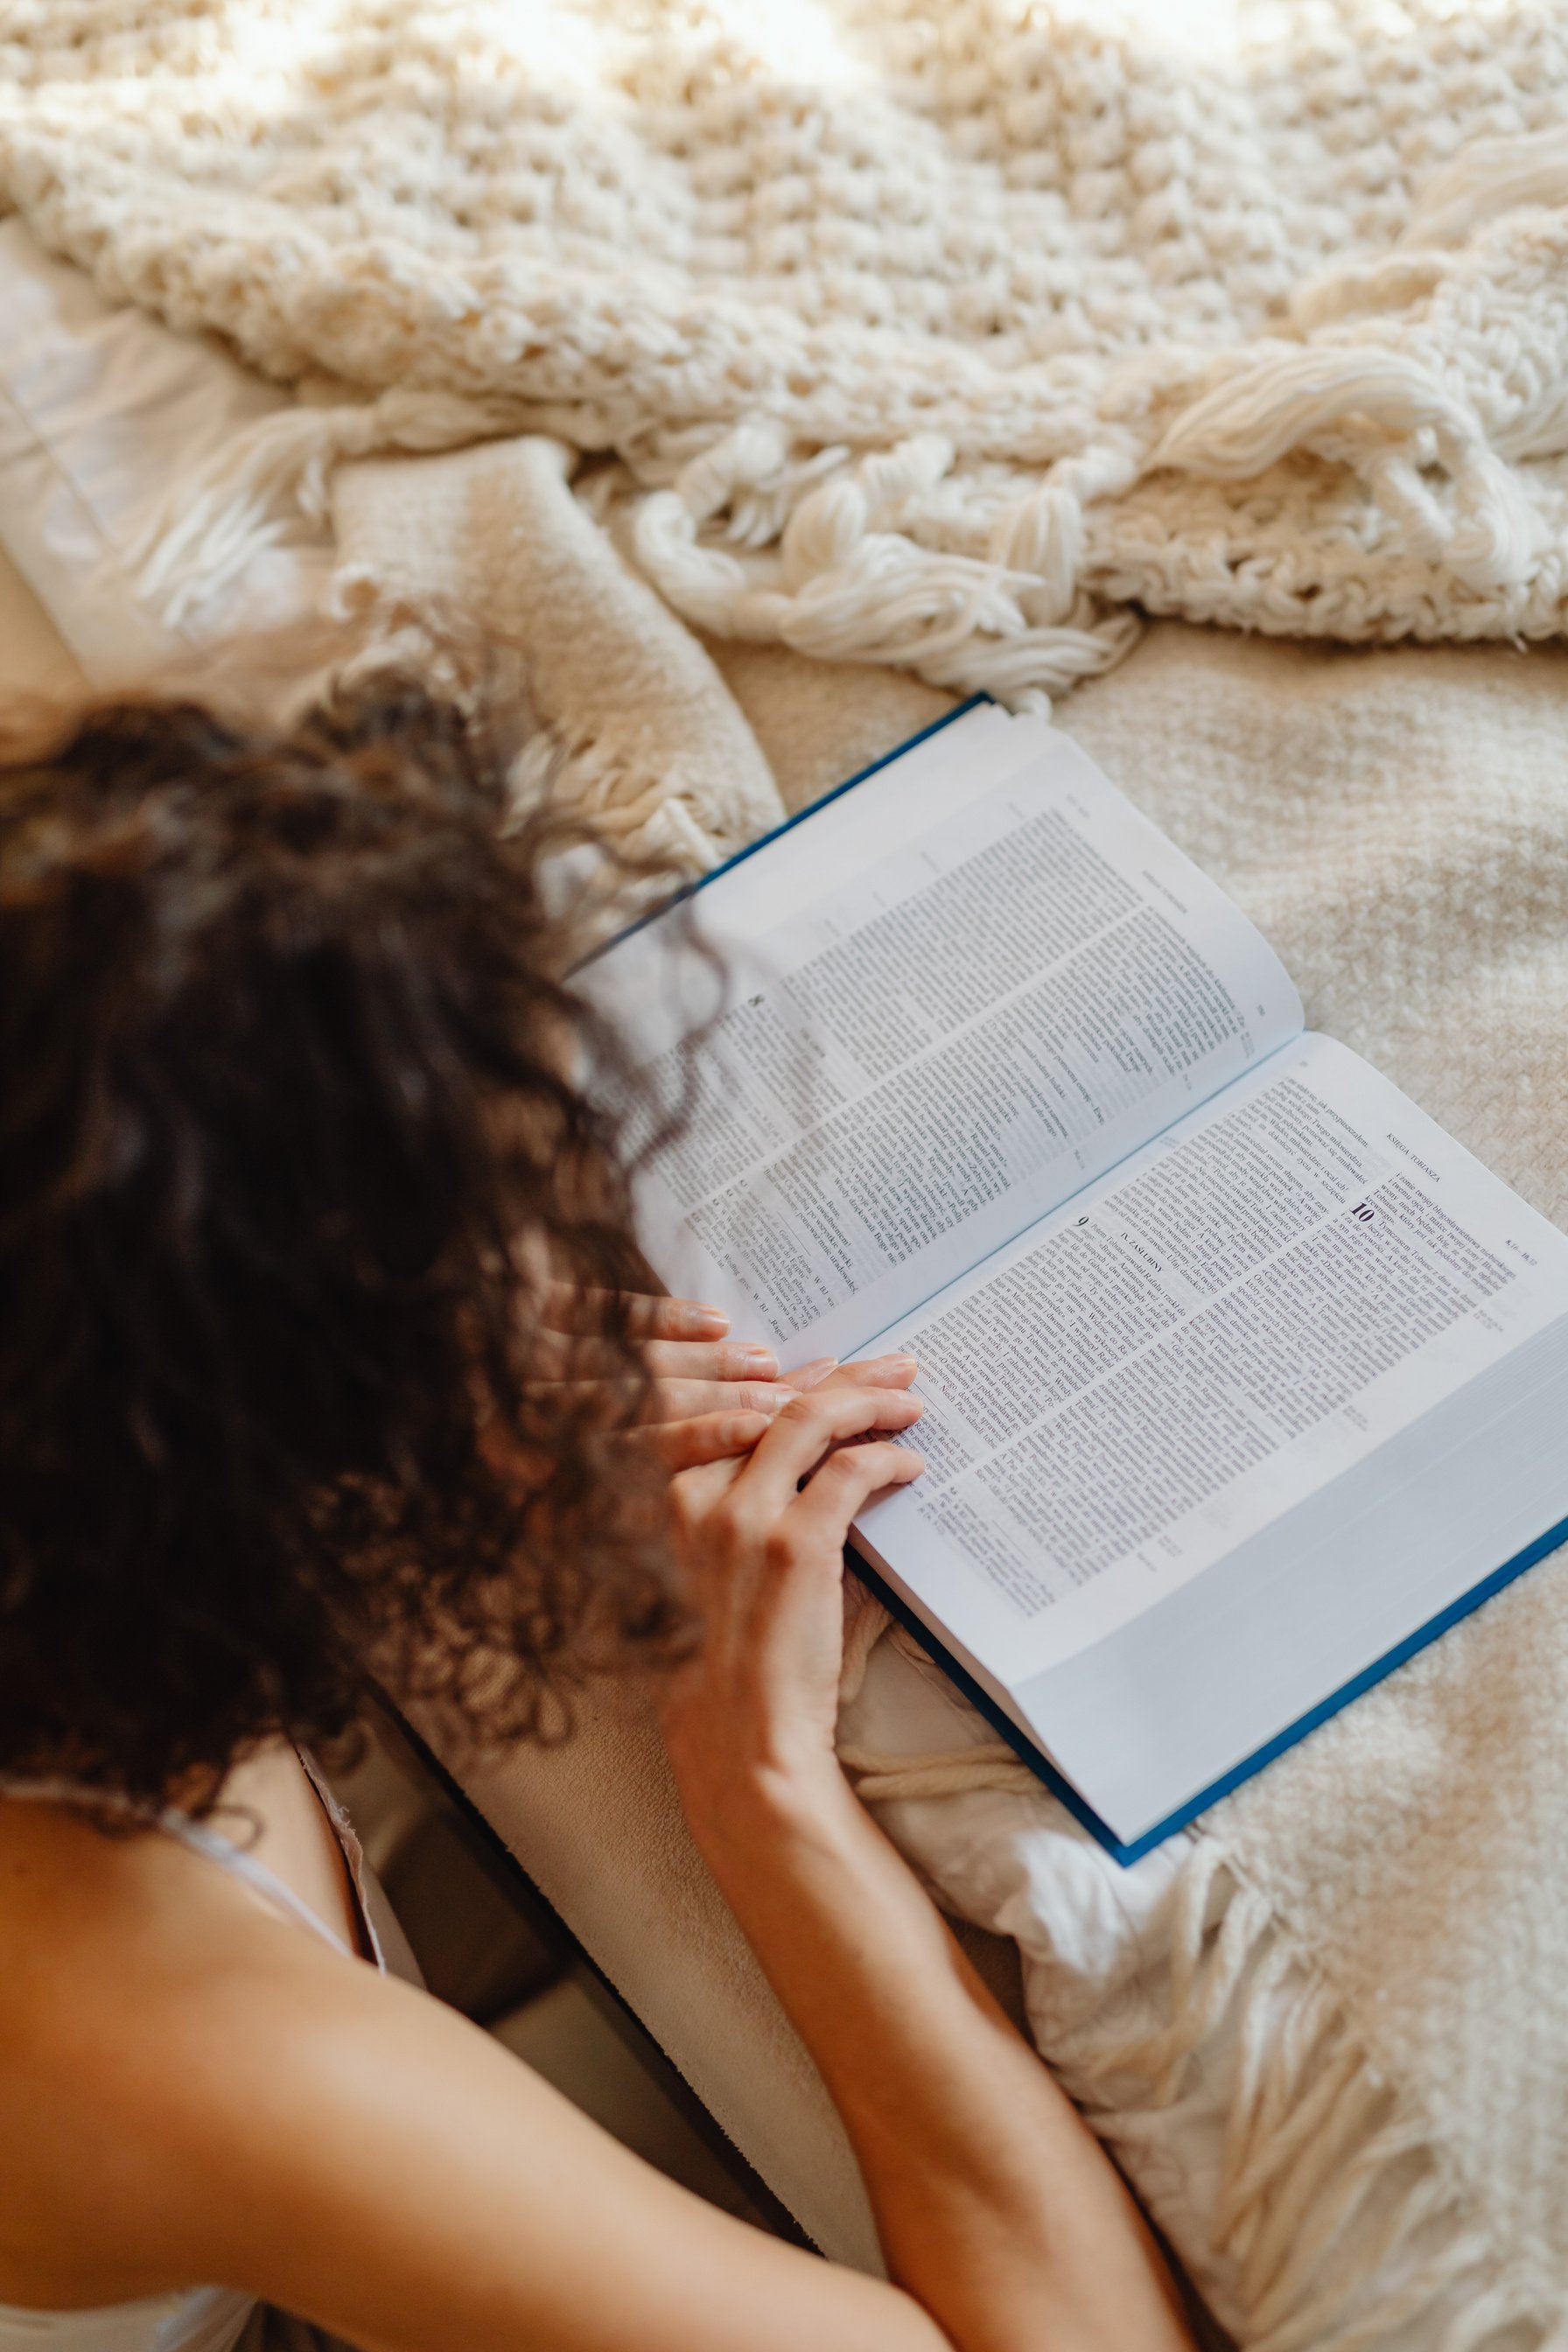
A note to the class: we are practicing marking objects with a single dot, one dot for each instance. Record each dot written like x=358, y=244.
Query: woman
x=321, y=1358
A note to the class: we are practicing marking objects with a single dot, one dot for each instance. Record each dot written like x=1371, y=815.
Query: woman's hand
x=711, y=1398
x=995, y=2208
x=761, y=1543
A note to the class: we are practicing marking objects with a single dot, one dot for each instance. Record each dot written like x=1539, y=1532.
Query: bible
x=1242, y=1379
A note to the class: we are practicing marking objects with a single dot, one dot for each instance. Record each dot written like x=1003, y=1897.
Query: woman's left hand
x=711, y=1397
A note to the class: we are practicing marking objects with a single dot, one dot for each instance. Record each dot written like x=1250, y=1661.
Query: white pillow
x=1099, y=1950
x=103, y=412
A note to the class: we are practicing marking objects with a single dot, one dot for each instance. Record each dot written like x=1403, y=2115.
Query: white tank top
x=200, y=2318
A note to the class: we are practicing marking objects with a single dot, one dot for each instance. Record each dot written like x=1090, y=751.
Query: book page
x=958, y=1023
x=1150, y=1378
x=1231, y=1666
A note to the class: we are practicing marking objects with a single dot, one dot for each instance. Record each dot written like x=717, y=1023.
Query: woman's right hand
x=995, y=2210
x=760, y=1541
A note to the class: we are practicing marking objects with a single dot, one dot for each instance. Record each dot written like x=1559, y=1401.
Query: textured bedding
x=934, y=334
x=32, y=655
x=1327, y=2032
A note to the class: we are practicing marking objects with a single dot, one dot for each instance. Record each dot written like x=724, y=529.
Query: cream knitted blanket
x=925, y=334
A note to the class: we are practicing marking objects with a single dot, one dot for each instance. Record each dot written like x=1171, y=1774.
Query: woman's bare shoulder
x=147, y=1992
x=218, y=2094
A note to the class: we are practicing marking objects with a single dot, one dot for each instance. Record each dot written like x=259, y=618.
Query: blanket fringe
x=642, y=815
x=969, y=554
x=1487, y=178
x=855, y=578
x=1336, y=2221
x=271, y=486
x=1390, y=421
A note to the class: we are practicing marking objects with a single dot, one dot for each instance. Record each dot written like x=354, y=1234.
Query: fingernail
x=760, y=1363
x=711, y=1321
x=892, y=1364
x=812, y=1375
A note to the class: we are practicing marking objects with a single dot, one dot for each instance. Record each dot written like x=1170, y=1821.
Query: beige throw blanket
x=927, y=335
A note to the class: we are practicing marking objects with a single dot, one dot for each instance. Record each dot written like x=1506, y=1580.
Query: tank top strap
x=242, y=1865
x=218, y=1848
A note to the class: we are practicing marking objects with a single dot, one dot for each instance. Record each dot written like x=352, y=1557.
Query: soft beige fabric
x=1358, y=1963
x=818, y=723
x=598, y=1828
x=645, y=738
x=33, y=658
x=103, y=414
x=933, y=334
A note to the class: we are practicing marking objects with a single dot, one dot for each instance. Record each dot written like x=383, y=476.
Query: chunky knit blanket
x=932, y=332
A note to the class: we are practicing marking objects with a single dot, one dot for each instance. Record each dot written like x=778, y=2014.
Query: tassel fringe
x=642, y=815
x=978, y=574
x=272, y=486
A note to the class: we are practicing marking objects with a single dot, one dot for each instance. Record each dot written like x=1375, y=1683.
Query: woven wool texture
x=640, y=737
x=931, y=334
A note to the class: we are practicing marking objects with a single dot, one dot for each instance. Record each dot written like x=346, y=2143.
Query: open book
x=1242, y=1379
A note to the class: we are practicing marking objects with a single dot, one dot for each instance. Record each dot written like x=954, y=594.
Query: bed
x=1397, y=822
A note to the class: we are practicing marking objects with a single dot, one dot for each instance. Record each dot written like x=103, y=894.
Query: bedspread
x=1328, y=2032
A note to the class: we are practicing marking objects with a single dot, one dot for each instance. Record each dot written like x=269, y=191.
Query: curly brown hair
x=289, y=1125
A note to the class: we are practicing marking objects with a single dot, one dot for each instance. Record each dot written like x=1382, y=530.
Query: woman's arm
x=229, y=2099
x=192, y=2088
x=996, y=2207
x=452, y=2201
